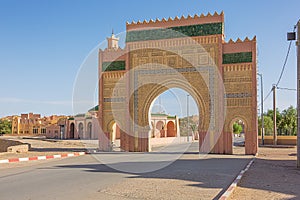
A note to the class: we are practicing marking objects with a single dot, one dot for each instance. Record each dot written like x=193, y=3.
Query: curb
x=233, y=185
x=65, y=155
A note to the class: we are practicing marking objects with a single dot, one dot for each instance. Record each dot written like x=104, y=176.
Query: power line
x=285, y=61
x=286, y=89
x=281, y=73
x=267, y=96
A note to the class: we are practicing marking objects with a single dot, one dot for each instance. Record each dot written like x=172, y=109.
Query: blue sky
x=44, y=43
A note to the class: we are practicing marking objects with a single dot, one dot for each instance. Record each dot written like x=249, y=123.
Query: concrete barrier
x=22, y=148
x=13, y=146
x=281, y=140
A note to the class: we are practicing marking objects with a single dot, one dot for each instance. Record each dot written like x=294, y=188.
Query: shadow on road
x=215, y=173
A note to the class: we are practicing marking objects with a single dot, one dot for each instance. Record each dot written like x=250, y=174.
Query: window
x=56, y=131
x=35, y=131
x=43, y=130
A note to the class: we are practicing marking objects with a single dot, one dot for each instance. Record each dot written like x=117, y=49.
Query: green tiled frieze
x=242, y=57
x=113, y=66
x=175, y=32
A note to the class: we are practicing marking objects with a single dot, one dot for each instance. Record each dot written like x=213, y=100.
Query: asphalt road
x=98, y=176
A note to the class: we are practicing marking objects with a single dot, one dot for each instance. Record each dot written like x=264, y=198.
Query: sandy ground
x=49, y=147
x=273, y=175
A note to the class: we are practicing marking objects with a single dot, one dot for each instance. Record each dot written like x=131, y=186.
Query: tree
x=5, y=126
x=193, y=121
x=278, y=115
x=268, y=125
x=237, y=128
x=288, y=123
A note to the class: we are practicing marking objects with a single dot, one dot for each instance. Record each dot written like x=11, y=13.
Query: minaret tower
x=112, y=42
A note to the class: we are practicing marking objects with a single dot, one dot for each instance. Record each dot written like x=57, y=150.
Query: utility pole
x=298, y=94
x=188, y=121
x=262, y=109
x=292, y=36
x=274, y=116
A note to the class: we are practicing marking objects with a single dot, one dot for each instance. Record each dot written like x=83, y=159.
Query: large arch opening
x=173, y=118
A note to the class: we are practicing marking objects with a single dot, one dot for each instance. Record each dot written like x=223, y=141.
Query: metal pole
x=298, y=94
x=274, y=116
x=188, y=121
x=262, y=110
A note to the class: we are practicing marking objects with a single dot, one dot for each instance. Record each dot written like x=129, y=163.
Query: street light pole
x=188, y=121
x=262, y=109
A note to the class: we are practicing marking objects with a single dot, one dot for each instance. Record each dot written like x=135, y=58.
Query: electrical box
x=291, y=36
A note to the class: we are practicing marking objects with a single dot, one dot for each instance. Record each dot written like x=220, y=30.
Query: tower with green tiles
x=189, y=53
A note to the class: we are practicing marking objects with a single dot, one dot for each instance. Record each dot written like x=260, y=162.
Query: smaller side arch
x=114, y=130
x=245, y=128
x=236, y=118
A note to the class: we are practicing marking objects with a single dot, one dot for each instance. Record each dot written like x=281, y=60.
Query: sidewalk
x=273, y=175
x=39, y=157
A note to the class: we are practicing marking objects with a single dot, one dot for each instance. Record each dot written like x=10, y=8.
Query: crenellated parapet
x=176, y=21
x=238, y=40
x=239, y=51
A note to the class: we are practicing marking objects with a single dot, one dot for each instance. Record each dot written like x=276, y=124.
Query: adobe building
x=163, y=125
x=82, y=126
x=28, y=124
x=34, y=124
x=189, y=53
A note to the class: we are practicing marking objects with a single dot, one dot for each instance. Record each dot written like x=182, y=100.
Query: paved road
x=190, y=176
x=238, y=141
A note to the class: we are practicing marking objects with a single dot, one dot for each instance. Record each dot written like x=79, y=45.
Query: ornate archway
x=187, y=53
